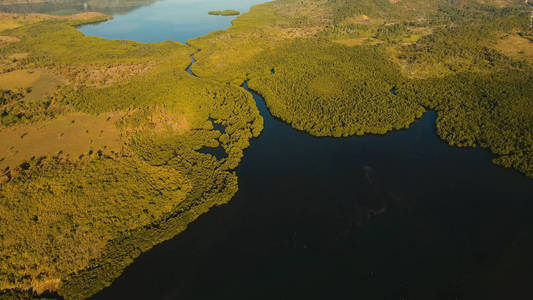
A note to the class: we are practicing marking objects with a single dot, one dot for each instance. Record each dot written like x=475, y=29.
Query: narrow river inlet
x=386, y=217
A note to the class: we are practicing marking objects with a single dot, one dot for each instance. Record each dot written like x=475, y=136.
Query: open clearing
x=516, y=46
x=39, y=83
x=73, y=134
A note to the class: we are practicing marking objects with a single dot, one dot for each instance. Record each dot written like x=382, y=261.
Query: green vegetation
x=226, y=12
x=67, y=223
x=72, y=218
x=493, y=111
x=70, y=222
x=341, y=92
x=355, y=67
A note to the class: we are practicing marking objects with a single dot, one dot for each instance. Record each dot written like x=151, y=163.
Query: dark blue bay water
x=399, y=216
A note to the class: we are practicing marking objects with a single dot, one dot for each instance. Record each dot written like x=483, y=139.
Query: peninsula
x=227, y=12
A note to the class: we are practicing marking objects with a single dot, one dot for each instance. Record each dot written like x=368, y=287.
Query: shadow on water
x=399, y=216
x=189, y=70
x=218, y=152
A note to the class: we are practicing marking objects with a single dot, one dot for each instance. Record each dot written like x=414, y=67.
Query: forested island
x=101, y=140
x=226, y=12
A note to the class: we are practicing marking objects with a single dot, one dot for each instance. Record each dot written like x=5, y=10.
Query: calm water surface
x=68, y=7
x=178, y=20
x=399, y=216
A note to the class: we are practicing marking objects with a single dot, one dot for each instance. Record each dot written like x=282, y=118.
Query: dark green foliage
x=493, y=111
x=464, y=48
x=15, y=110
x=11, y=111
x=391, y=33
x=90, y=217
x=328, y=89
x=114, y=207
x=332, y=90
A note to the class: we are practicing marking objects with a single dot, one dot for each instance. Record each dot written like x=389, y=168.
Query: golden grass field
x=73, y=135
x=38, y=82
x=515, y=46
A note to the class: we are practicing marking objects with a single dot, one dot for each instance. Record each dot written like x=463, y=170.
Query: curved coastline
x=174, y=224
x=257, y=174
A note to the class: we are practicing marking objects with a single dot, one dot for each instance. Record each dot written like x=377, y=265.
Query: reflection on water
x=68, y=7
x=142, y=20
x=178, y=20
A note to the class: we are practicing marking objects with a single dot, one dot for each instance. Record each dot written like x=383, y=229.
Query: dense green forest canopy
x=340, y=68
x=122, y=166
x=71, y=223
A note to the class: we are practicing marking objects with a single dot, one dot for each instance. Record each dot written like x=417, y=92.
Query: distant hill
x=65, y=7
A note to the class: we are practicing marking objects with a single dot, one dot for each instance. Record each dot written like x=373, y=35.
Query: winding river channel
x=399, y=216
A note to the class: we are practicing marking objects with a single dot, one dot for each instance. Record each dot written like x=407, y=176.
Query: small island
x=226, y=12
